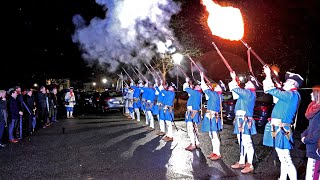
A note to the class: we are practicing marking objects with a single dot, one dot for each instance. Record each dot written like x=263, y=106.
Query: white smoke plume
x=130, y=33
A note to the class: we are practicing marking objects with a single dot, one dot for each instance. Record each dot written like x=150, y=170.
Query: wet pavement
x=112, y=147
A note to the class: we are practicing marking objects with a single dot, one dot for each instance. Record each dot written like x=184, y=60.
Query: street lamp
x=104, y=81
x=177, y=58
x=35, y=85
x=94, y=85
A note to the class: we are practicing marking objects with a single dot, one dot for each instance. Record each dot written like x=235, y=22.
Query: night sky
x=39, y=33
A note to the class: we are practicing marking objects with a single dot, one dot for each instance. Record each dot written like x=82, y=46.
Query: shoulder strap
x=295, y=119
x=221, y=113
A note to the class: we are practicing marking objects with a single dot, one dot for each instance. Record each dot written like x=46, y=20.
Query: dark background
x=37, y=40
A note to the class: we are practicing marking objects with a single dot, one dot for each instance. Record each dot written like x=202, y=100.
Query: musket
x=150, y=71
x=255, y=153
x=141, y=74
x=122, y=79
x=287, y=133
x=200, y=71
x=240, y=126
x=155, y=71
x=181, y=70
x=135, y=73
x=253, y=52
x=223, y=59
x=126, y=73
x=217, y=120
x=175, y=124
x=275, y=78
x=273, y=130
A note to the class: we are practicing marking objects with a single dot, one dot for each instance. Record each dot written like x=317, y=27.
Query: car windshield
x=112, y=94
x=262, y=97
x=227, y=96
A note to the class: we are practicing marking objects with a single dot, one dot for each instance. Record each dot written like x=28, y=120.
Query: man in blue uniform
x=130, y=103
x=161, y=91
x=168, y=101
x=278, y=132
x=244, y=125
x=136, y=99
x=192, y=114
x=211, y=121
x=149, y=95
x=126, y=100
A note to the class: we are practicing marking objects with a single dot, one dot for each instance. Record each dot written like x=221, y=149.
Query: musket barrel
x=223, y=59
x=198, y=68
x=126, y=73
x=135, y=73
x=155, y=71
x=141, y=74
x=253, y=52
x=275, y=78
x=150, y=71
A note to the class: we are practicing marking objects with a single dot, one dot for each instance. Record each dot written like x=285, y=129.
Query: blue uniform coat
x=285, y=109
x=168, y=101
x=213, y=105
x=194, y=101
x=245, y=103
x=136, y=95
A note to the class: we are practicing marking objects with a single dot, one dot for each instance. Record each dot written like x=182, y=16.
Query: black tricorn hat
x=254, y=81
x=294, y=76
x=222, y=85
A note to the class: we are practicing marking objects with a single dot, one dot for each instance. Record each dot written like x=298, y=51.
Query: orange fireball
x=225, y=22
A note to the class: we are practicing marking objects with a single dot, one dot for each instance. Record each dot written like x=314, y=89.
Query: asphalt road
x=113, y=147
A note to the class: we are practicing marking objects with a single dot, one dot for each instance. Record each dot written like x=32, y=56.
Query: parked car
x=228, y=105
x=111, y=100
x=262, y=108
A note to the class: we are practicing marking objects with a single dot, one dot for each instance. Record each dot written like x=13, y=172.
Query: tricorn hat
x=222, y=85
x=254, y=81
x=294, y=76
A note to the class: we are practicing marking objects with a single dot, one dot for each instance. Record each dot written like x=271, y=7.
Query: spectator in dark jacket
x=311, y=135
x=43, y=107
x=31, y=108
x=3, y=115
x=19, y=124
x=13, y=114
x=53, y=105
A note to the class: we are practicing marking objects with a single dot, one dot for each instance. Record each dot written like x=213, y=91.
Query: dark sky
x=39, y=35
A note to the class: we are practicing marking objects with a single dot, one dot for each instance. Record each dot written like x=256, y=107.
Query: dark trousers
x=43, y=116
x=54, y=115
x=31, y=122
x=2, y=126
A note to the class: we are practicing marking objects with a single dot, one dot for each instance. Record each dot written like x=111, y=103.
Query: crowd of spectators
x=23, y=112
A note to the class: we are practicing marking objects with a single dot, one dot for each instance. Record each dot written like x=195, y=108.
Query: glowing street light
x=177, y=58
x=104, y=80
x=94, y=83
x=35, y=85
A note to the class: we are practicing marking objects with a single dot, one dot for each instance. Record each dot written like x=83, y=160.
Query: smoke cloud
x=130, y=33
